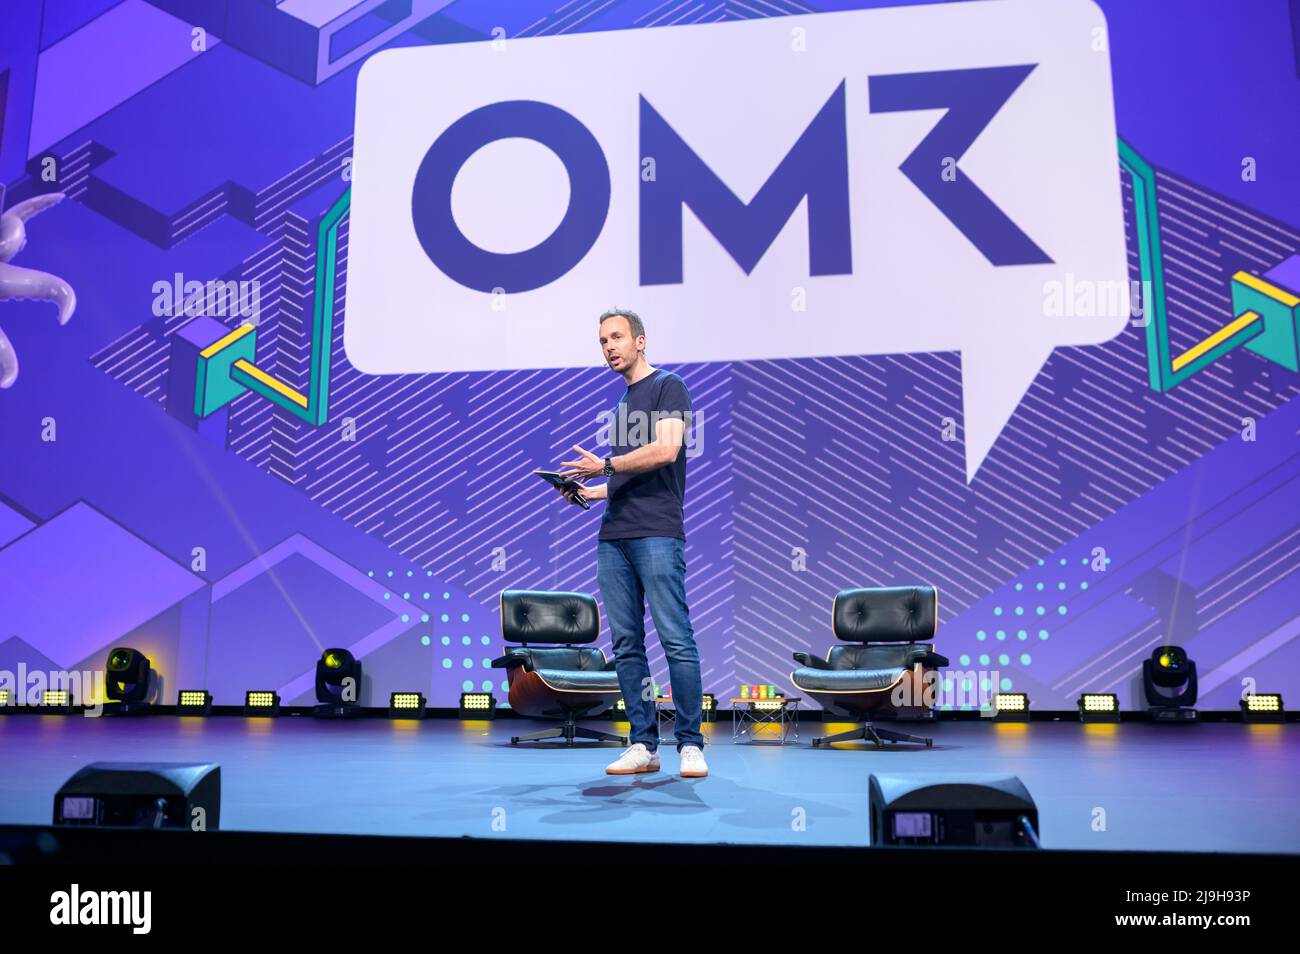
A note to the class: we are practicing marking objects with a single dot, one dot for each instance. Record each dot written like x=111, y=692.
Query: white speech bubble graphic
x=740, y=96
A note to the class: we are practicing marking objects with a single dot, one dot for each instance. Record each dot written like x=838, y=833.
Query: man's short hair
x=633, y=320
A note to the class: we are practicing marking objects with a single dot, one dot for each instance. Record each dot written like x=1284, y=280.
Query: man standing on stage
x=641, y=552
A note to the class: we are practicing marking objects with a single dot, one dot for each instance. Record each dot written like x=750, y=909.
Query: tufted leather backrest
x=885, y=614
x=540, y=616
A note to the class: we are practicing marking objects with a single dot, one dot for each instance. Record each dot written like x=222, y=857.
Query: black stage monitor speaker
x=142, y=795
x=972, y=811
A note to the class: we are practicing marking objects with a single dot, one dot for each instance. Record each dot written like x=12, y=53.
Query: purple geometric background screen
x=233, y=561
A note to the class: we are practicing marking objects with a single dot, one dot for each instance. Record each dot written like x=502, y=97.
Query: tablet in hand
x=565, y=484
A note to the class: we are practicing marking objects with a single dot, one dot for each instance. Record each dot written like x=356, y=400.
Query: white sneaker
x=636, y=759
x=693, y=764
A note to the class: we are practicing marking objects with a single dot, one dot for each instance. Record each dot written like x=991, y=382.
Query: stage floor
x=1209, y=787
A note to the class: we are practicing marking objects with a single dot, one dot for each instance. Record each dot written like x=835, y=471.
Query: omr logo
x=904, y=179
x=815, y=170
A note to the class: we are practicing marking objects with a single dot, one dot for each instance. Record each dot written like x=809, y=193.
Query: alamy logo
x=213, y=299
x=637, y=428
x=26, y=687
x=74, y=906
x=953, y=689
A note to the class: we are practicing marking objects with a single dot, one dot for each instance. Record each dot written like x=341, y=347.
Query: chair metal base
x=870, y=733
x=570, y=731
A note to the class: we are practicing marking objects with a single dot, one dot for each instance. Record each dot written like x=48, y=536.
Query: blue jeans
x=629, y=573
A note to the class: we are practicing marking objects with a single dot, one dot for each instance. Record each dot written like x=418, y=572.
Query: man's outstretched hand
x=586, y=467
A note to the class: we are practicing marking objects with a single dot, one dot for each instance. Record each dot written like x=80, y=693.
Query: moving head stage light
x=1169, y=681
x=338, y=685
x=127, y=680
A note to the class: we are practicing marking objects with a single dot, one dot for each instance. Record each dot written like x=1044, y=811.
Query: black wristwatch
x=609, y=467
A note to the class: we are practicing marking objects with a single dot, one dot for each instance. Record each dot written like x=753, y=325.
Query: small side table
x=749, y=717
x=665, y=718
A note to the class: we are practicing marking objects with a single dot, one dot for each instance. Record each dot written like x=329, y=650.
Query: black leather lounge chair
x=881, y=629
x=567, y=681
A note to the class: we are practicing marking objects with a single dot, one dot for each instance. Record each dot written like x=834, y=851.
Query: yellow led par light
x=1011, y=707
x=1098, y=707
x=261, y=702
x=1262, y=707
x=56, y=700
x=477, y=705
x=194, y=702
x=406, y=705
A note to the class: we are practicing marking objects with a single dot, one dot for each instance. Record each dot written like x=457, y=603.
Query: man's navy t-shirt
x=648, y=504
